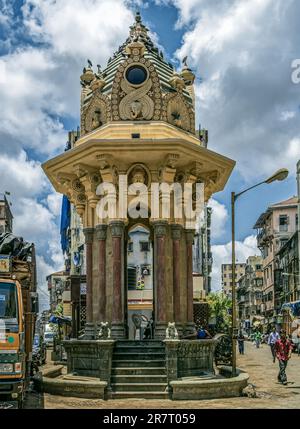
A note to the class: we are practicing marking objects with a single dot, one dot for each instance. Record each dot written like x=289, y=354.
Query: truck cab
x=12, y=344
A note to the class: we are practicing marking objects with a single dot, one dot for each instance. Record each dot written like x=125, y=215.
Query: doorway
x=139, y=283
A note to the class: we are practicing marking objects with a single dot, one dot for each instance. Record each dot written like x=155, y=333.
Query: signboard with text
x=5, y=264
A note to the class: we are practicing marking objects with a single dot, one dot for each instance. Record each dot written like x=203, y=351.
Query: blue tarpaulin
x=294, y=308
x=65, y=224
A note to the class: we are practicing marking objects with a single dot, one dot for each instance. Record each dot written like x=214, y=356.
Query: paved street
x=257, y=362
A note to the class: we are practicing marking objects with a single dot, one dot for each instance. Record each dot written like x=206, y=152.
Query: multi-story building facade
x=6, y=217
x=59, y=291
x=202, y=256
x=249, y=292
x=227, y=276
x=287, y=275
x=274, y=229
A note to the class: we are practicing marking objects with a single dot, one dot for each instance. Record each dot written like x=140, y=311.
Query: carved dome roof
x=138, y=63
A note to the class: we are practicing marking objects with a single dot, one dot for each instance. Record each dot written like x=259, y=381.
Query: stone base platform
x=210, y=387
x=54, y=382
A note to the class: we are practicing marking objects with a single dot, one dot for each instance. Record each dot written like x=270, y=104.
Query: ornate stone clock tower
x=137, y=128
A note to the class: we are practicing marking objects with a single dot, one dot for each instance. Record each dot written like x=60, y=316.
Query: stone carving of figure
x=171, y=331
x=96, y=121
x=104, y=331
x=138, y=175
x=136, y=109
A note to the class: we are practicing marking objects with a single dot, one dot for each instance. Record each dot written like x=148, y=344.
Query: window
x=130, y=247
x=283, y=223
x=258, y=267
x=131, y=278
x=144, y=246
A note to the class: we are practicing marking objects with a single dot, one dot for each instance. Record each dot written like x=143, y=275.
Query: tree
x=220, y=308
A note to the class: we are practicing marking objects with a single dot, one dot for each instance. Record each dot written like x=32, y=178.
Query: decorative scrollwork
x=96, y=113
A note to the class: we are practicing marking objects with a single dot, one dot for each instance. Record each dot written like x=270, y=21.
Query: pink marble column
x=101, y=295
x=117, y=232
x=176, y=237
x=160, y=237
x=190, y=326
x=89, y=238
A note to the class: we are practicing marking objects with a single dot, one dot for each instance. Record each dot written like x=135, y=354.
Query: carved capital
x=176, y=231
x=189, y=234
x=171, y=160
x=117, y=228
x=160, y=228
x=101, y=232
x=89, y=235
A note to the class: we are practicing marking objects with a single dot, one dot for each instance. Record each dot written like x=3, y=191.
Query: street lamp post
x=278, y=175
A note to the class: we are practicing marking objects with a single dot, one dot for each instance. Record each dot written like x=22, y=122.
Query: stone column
x=117, y=232
x=89, y=238
x=101, y=295
x=190, y=326
x=177, y=317
x=160, y=232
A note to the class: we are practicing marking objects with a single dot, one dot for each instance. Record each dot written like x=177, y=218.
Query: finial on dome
x=138, y=17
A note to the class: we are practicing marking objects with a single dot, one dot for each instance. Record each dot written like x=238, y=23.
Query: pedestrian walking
x=283, y=350
x=273, y=337
x=241, y=342
x=257, y=338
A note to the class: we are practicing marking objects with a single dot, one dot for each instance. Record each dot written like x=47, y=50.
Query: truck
x=18, y=313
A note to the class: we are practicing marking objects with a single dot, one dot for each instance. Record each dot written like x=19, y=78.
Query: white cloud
x=222, y=255
x=218, y=219
x=20, y=176
x=243, y=50
x=77, y=28
x=54, y=202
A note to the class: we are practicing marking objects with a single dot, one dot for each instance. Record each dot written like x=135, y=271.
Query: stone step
x=139, y=371
x=141, y=379
x=138, y=387
x=139, y=349
x=135, y=343
x=140, y=395
x=117, y=363
x=138, y=356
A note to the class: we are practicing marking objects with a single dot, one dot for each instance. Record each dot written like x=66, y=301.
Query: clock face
x=136, y=75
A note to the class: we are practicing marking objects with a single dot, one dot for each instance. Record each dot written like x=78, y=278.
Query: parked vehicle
x=49, y=338
x=18, y=311
x=39, y=350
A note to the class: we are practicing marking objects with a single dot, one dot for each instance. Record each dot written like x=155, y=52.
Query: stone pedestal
x=171, y=359
x=90, y=358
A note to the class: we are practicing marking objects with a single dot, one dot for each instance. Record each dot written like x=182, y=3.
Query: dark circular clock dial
x=136, y=75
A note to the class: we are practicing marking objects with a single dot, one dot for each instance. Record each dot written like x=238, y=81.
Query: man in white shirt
x=273, y=337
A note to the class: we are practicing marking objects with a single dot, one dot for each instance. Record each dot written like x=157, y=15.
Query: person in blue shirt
x=203, y=334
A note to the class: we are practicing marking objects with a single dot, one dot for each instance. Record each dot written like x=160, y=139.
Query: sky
x=241, y=52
